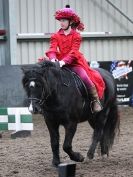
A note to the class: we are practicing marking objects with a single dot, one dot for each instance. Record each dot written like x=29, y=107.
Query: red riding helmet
x=68, y=13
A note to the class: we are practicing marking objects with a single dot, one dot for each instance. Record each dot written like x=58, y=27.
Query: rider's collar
x=61, y=31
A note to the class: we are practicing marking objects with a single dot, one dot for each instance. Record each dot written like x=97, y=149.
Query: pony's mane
x=41, y=71
x=37, y=68
x=47, y=63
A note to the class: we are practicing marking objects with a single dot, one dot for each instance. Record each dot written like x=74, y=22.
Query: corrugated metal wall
x=36, y=16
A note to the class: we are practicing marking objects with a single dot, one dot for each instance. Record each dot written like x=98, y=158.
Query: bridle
x=42, y=99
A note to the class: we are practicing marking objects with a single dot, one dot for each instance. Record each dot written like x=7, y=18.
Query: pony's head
x=36, y=84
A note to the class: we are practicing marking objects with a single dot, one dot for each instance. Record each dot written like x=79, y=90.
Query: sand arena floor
x=31, y=157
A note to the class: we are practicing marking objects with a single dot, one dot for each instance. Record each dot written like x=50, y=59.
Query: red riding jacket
x=66, y=48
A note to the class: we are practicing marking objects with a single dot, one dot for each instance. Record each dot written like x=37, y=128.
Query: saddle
x=81, y=87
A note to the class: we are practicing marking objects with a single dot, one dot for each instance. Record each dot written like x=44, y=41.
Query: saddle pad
x=82, y=89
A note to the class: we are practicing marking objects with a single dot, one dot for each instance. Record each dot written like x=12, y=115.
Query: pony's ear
x=31, y=67
x=25, y=69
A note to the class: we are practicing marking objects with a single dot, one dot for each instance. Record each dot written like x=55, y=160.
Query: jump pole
x=18, y=119
x=67, y=169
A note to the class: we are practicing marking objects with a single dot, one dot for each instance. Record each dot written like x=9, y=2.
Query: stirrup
x=91, y=106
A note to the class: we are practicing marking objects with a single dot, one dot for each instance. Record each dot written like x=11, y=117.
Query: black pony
x=52, y=91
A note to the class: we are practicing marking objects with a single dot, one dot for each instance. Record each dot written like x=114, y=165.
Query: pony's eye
x=38, y=85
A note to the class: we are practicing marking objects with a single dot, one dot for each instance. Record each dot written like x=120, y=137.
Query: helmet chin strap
x=68, y=26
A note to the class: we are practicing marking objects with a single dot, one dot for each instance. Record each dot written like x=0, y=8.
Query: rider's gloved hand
x=54, y=59
x=61, y=63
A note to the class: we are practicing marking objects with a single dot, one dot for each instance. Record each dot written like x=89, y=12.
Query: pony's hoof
x=104, y=156
x=55, y=163
x=77, y=157
x=81, y=158
x=90, y=156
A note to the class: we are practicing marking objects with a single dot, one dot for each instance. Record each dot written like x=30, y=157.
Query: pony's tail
x=111, y=129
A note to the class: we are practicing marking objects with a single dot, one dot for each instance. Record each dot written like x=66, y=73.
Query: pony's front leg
x=70, y=130
x=54, y=138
